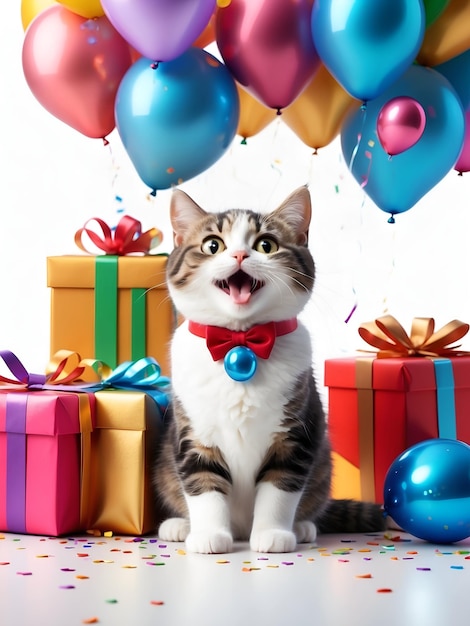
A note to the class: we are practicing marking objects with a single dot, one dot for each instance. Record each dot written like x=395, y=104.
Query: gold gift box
x=123, y=444
x=72, y=282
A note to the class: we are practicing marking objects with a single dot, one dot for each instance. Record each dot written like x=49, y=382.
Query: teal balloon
x=240, y=363
x=395, y=184
x=177, y=119
x=457, y=72
x=427, y=490
x=367, y=44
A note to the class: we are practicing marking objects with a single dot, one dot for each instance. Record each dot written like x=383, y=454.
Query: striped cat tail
x=351, y=516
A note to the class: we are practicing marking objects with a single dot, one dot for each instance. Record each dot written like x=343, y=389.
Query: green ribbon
x=106, y=313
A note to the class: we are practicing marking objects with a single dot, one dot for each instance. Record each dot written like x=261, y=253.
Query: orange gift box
x=140, y=323
x=122, y=449
x=379, y=406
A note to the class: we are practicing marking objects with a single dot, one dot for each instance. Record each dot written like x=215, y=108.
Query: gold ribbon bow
x=67, y=367
x=391, y=339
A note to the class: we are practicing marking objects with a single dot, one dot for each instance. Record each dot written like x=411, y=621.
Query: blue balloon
x=178, y=118
x=396, y=183
x=457, y=72
x=427, y=490
x=367, y=44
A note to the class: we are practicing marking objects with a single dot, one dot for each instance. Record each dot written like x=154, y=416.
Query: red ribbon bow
x=259, y=338
x=127, y=237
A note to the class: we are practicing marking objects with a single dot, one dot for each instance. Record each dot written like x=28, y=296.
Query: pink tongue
x=240, y=294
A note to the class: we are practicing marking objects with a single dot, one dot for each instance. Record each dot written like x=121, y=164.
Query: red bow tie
x=259, y=338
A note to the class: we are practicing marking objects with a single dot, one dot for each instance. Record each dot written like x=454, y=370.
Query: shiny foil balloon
x=177, y=119
x=396, y=184
x=448, y=36
x=74, y=66
x=160, y=30
x=367, y=44
x=267, y=46
x=463, y=162
x=31, y=8
x=427, y=490
x=400, y=124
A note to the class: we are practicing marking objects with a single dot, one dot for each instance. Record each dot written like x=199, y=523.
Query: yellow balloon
x=85, y=8
x=448, y=36
x=31, y=8
x=254, y=116
x=317, y=114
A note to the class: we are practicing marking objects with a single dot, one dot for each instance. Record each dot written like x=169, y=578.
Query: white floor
x=388, y=580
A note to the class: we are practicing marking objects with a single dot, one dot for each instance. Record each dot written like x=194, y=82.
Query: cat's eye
x=266, y=245
x=212, y=245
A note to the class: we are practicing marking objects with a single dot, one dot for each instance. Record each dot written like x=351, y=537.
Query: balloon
x=448, y=36
x=395, y=184
x=84, y=8
x=254, y=116
x=457, y=72
x=31, y=8
x=433, y=8
x=367, y=45
x=178, y=119
x=463, y=162
x=73, y=67
x=427, y=490
x=317, y=114
x=400, y=124
x=160, y=30
x=267, y=46
x=208, y=34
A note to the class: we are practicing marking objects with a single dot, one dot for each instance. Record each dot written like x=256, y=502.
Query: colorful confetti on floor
x=356, y=579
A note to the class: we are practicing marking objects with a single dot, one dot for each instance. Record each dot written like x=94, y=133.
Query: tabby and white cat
x=246, y=459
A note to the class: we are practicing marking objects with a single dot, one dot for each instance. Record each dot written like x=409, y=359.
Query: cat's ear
x=183, y=213
x=296, y=210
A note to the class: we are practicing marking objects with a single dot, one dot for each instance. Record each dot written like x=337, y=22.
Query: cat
x=246, y=456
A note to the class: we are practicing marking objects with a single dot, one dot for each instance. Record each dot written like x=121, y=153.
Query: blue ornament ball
x=427, y=490
x=240, y=363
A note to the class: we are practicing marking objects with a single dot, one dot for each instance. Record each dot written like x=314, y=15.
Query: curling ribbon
x=126, y=238
x=389, y=337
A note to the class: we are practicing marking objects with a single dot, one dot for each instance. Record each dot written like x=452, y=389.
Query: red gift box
x=379, y=406
x=44, y=445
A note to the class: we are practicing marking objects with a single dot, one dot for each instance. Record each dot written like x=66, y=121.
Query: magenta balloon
x=463, y=162
x=268, y=47
x=160, y=30
x=73, y=66
x=400, y=124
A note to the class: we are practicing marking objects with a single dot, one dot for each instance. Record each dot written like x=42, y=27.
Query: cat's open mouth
x=240, y=286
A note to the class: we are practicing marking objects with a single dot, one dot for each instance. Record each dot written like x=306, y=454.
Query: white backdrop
x=54, y=179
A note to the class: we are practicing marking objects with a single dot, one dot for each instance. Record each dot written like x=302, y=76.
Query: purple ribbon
x=16, y=461
x=16, y=367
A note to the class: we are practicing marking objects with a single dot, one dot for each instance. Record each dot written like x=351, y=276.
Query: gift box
x=414, y=388
x=122, y=451
x=115, y=307
x=44, y=461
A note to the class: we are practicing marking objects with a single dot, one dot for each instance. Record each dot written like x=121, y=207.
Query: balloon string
x=359, y=137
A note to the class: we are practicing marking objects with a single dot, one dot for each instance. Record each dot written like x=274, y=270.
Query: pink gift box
x=44, y=445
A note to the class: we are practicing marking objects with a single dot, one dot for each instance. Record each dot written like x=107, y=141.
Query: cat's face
x=239, y=268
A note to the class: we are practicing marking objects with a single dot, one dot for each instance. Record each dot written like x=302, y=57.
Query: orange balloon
x=84, y=8
x=317, y=114
x=448, y=36
x=208, y=34
x=254, y=116
x=74, y=66
x=31, y=8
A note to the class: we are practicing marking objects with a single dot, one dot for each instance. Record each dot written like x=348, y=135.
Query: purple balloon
x=160, y=30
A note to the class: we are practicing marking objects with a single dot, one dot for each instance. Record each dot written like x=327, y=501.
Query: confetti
x=112, y=601
x=90, y=620
x=363, y=575
x=157, y=602
x=82, y=577
x=222, y=561
x=384, y=590
x=66, y=586
x=24, y=573
x=423, y=569
x=4, y=563
x=456, y=567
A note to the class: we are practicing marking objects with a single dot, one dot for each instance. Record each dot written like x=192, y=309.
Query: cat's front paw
x=273, y=540
x=210, y=542
x=305, y=531
x=174, y=529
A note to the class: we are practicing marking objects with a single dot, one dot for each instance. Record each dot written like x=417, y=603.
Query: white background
x=54, y=179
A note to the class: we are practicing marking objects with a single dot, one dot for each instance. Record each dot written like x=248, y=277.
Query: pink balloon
x=74, y=66
x=268, y=47
x=160, y=30
x=463, y=162
x=400, y=124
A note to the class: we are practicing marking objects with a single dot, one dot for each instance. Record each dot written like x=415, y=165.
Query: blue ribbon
x=446, y=418
x=141, y=375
